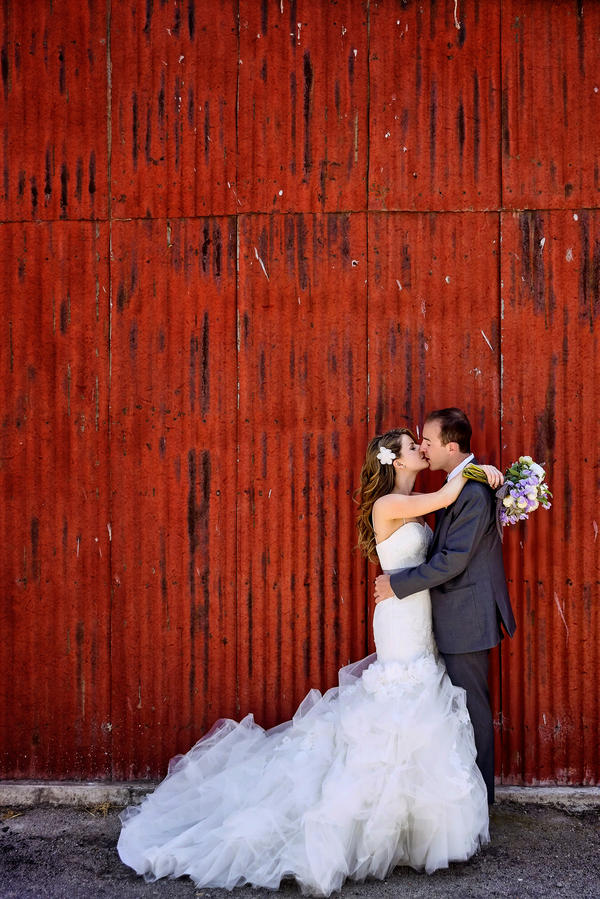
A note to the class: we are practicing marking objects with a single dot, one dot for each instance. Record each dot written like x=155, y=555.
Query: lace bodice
x=405, y=548
x=402, y=627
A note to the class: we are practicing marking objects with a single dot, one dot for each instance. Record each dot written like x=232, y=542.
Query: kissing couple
x=395, y=766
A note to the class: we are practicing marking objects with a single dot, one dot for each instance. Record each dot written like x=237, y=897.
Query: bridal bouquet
x=522, y=492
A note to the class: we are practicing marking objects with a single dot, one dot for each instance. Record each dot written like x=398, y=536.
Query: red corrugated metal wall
x=239, y=238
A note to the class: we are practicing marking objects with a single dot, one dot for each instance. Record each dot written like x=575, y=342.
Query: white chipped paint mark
x=117, y=581
x=269, y=494
x=595, y=532
x=569, y=255
x=231, y=187
x=426, y=345
x=423, y=308
x=109, y=532
x=343, y=31
x=595, y=90
x=397, y=21
x=181, y=58
x=487, y=341
x=406, y=29
x=355, y=53
x=418, y=435
x=447, y=279
x=544, y=717
x=542, y=242
x=354, y=263
x=299, y=29
x=404, y=149
x=298, y=300
x=387, y=134
x=280, y=193
x=456, y=22
x=262, y=265
x=399, y=285
x=575, y=216
x=561, y=613
x=78, y=542
x=139, y=694
x=281, y=7
x=475, y=371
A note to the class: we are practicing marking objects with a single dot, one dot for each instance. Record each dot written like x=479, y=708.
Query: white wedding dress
x=376, y=773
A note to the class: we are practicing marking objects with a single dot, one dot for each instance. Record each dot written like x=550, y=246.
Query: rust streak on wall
x=55, y=566
x=550, y=275
x=324, y=219
x=173, y=479
x=302, y=431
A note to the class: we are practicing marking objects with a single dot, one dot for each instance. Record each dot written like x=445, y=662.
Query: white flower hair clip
x=385, y=455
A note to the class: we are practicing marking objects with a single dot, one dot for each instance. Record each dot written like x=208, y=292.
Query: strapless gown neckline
x=418, y=523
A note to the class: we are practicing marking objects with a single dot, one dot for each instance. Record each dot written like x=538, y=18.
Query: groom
x=464, y=572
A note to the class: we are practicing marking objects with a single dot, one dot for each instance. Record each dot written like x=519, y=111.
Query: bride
x=378, y=772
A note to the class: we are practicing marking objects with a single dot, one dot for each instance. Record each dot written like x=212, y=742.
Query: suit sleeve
x=462, y=539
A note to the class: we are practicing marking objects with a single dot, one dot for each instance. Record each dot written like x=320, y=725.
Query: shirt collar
x=459, y=468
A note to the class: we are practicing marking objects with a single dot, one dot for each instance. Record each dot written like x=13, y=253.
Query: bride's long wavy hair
x=376, y=480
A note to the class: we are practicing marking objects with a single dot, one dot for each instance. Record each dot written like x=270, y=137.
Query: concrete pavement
x=536, y=851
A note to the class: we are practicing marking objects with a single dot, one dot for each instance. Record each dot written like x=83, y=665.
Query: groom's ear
x=452, y=448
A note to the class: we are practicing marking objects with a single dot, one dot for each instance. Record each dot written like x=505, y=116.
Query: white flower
x=537, y=469
x=385, y=455
x=527, y=459
x=534, y=507
x=522, y=503
x=508, y=501
x=532, y=495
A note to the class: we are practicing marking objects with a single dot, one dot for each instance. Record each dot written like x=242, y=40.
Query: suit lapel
x=439, y=517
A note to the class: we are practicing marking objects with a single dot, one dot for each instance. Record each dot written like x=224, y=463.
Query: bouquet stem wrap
x=475, y=473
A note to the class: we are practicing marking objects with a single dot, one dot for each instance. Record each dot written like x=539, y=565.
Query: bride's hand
x=495, y=477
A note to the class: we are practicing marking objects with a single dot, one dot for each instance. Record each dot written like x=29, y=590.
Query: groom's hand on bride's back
x=382, y=588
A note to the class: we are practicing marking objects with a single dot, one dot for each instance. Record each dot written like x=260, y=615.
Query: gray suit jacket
x=464, y=573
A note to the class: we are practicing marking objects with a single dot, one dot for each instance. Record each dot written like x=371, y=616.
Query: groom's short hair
x=455, y=427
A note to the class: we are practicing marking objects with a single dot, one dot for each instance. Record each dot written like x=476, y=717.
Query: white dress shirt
x=459, y=468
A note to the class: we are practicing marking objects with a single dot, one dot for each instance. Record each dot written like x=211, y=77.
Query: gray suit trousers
x=469, y=670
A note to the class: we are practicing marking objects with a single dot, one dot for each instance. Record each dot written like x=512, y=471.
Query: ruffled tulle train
x=376, y=773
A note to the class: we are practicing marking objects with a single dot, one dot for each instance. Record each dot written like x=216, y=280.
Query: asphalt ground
x=535, y=851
